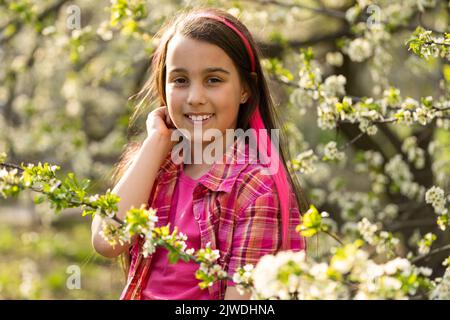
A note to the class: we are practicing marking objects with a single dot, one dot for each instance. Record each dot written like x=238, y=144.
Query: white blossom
x=334, y=85
x=367, y=230
x=352, y=13
x=435, y=197
x=305, y=162
x=397, y=265
x=326, y=116
x=424, y=115
x=415, y=154
x=390, y=212
x=334, y=58
x=359, y=49
x=397, y=169
x=332, y=153
x=442, y=290
x=149, y=247
x=301, y=99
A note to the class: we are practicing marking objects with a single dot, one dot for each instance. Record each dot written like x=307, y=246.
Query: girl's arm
x=135, y=185
x=133, y=188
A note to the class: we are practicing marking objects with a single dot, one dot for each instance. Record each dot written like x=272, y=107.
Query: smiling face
x=203, y=87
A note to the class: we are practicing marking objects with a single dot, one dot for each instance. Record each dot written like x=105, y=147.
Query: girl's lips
x=203, y=122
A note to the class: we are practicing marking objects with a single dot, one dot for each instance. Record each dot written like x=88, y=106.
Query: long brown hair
x=152, y=94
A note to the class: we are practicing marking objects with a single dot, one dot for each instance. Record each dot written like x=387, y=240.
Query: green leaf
x=185, y=258
x=39, y=199
x=27, y=178
x=85, y=184
x=173, y=257
x=446, y=72
x=311, y=222
x=308, y=53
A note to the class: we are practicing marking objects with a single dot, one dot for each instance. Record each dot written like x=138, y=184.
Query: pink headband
x=257, y=123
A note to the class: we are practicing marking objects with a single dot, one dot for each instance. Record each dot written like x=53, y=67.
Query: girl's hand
x=158, y=121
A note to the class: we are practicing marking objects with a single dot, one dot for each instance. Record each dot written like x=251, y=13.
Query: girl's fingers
x=158, y=112
x=159, y=119
x=161, y=111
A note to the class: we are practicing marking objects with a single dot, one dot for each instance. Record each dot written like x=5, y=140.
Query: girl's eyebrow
x=207, y=70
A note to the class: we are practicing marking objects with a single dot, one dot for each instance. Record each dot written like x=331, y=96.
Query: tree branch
x=70, y=202
x=431, y=253
x=18, y=24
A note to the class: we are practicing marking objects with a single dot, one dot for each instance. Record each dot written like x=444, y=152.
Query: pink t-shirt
x=177, y=281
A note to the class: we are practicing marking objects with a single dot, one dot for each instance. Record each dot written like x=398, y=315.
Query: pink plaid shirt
x=237, y=209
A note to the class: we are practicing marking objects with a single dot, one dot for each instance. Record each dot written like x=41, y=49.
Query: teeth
x=200, y=118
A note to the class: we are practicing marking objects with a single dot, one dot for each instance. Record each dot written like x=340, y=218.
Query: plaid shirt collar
x=222, y=175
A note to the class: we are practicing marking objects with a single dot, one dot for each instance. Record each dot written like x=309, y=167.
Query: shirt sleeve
x=257, y=232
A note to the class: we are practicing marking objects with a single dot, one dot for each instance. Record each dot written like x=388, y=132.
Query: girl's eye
x=183, y=81
x=176, y=80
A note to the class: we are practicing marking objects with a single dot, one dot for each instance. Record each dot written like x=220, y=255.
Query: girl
x=205, y=72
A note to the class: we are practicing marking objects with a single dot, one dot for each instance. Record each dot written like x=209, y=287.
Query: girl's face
x=202, y=81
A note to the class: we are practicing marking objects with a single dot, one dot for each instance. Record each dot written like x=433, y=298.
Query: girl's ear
x=246, y=92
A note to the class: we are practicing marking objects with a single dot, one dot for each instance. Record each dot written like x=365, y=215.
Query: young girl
x=205, y=72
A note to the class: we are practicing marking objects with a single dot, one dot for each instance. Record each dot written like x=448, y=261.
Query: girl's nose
x=196, y=95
